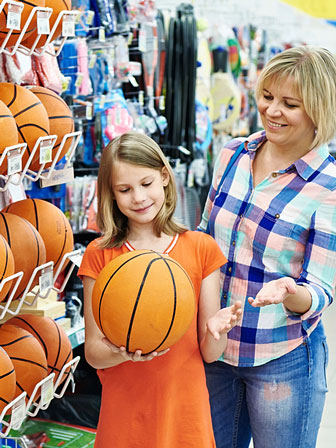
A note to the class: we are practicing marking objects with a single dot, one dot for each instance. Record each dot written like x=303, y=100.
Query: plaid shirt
x=285, y=226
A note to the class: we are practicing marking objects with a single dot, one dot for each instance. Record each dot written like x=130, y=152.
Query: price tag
x=142, y=40
x=68, y=26
x=92, y=60
x=18, y=413
x=14, y=17
x=141, y=97
x=43, y=26
x=14, y=162
x=101, y=34
x=46, y=279
x=102, y=101
x=79, y=79
x=80, y=336
x=46, y=147
x=89, y=111
x=90, y=17
x=65, y=83
x=47, y=391
x=162, y=104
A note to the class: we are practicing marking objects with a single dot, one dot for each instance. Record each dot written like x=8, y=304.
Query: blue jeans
x=280, y=403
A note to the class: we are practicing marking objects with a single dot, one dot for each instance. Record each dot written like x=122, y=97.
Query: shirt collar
x=305, y=166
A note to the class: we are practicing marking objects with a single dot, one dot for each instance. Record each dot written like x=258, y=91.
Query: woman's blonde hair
x=313, y=71
x=137, y=149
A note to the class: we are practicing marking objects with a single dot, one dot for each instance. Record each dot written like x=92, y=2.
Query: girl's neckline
x=170, y=247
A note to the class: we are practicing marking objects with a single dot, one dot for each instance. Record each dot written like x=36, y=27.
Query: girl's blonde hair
x=137, y=149
x=313, y=71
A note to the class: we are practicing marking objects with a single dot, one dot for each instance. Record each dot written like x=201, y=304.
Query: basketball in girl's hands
x=143, y=300
x=7, y=379
x=27, y=247
x=57, y=6
x=61, y=121
x=28, y=6
x=50, y=222
x=6, y=266
x=27, y=356
x=31, y=118
x=52, y=337
x=8, y=132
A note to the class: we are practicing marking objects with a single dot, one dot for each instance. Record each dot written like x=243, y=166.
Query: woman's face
x=283, y=116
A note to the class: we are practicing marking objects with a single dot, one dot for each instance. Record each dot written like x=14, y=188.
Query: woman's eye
x=291, y=106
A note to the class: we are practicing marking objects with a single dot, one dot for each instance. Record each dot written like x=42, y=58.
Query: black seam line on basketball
x=55, y=117
x=23, y=390
x=7, y=374
x=107, y=283
x=6, y=264
x=4, y=401
x=32, y=125
x=23, y=139
x=7, y=344
x=174, y=309
x=29, y=361
x=7, y=236
x=27, y=108
x=14, y=96
x=34, y=333
x=59, y=343
x=64, y=242
x=36, y=215
x=138, y=299
x=37, y=244
x=6, y=116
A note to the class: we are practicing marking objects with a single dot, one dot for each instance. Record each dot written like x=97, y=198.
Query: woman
x=275, y=221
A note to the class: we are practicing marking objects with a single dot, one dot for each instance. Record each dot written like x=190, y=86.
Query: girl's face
x=139, y=191
x=283, y=116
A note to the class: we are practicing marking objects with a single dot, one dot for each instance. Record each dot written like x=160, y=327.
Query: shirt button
x=230, y=269
x=277, y=216
x=233, y=243
x=274, y=174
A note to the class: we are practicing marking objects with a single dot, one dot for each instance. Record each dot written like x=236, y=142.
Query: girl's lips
x=142, y=210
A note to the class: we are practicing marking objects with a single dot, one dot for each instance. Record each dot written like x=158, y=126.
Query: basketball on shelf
x=143, y=300
x=57, y=6
x=53, y=339
x=28, y=6
x=61, y=121
x=27, y=247
x=30, y=115
x=27, y=356
x=6, y=266
x=8, y=132
x=7, y=380
x=51, y=224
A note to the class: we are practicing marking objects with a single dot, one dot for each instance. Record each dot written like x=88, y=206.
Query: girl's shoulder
x=198, y=238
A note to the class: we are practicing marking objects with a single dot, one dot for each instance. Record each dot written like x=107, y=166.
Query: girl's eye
x=291, y=106
x=124, y=191
x=147, y=184
x=268, y=97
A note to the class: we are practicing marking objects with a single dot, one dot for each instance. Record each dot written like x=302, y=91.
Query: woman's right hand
x=136, y=356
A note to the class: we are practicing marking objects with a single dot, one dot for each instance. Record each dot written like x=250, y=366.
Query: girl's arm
x=99, y=352
x=214, y=322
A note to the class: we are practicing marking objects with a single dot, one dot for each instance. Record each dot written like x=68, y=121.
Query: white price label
x=47, y=391
x=80, y=336
x=101, y=34
x=68, y=26
x=89, y=17
x=142, y=40
x=14, y=17
x=14, y=162
x=89, y=111
x=43, y=26
x=18, y=413
x=46, y=279
x=92, y=60
x=46, y=147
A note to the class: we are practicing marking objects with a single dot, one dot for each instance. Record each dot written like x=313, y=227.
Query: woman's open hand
x=274, y=292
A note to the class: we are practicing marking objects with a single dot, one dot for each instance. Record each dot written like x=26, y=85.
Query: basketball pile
x=31, y=33
x=26, y=114
x=33, y=347
x=33, y=232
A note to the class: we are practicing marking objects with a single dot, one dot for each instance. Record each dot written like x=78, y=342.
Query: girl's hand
x=274, y=292
x=136, y=356
x=224, y=320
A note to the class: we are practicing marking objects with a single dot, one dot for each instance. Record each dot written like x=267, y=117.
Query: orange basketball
x=27, y=247
x=52, y=337
x=28, y=5
x=50, y=222
x=8, y=132
x=6, y=266
x=143, y=300
x=30, y=115
x=7, y=379
x=57, y=6
x=27, y=356
x=61, y=121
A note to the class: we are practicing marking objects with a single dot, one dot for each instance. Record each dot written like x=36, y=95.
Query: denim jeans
x=280, y=403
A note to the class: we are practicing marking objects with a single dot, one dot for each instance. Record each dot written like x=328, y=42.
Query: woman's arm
x=99, y=352
x=213, y=322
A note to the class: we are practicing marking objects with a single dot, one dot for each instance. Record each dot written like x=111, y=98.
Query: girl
x=159, y=400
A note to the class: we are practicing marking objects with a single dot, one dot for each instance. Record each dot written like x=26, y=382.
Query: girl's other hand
x=224, y=320
x=136, y=356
